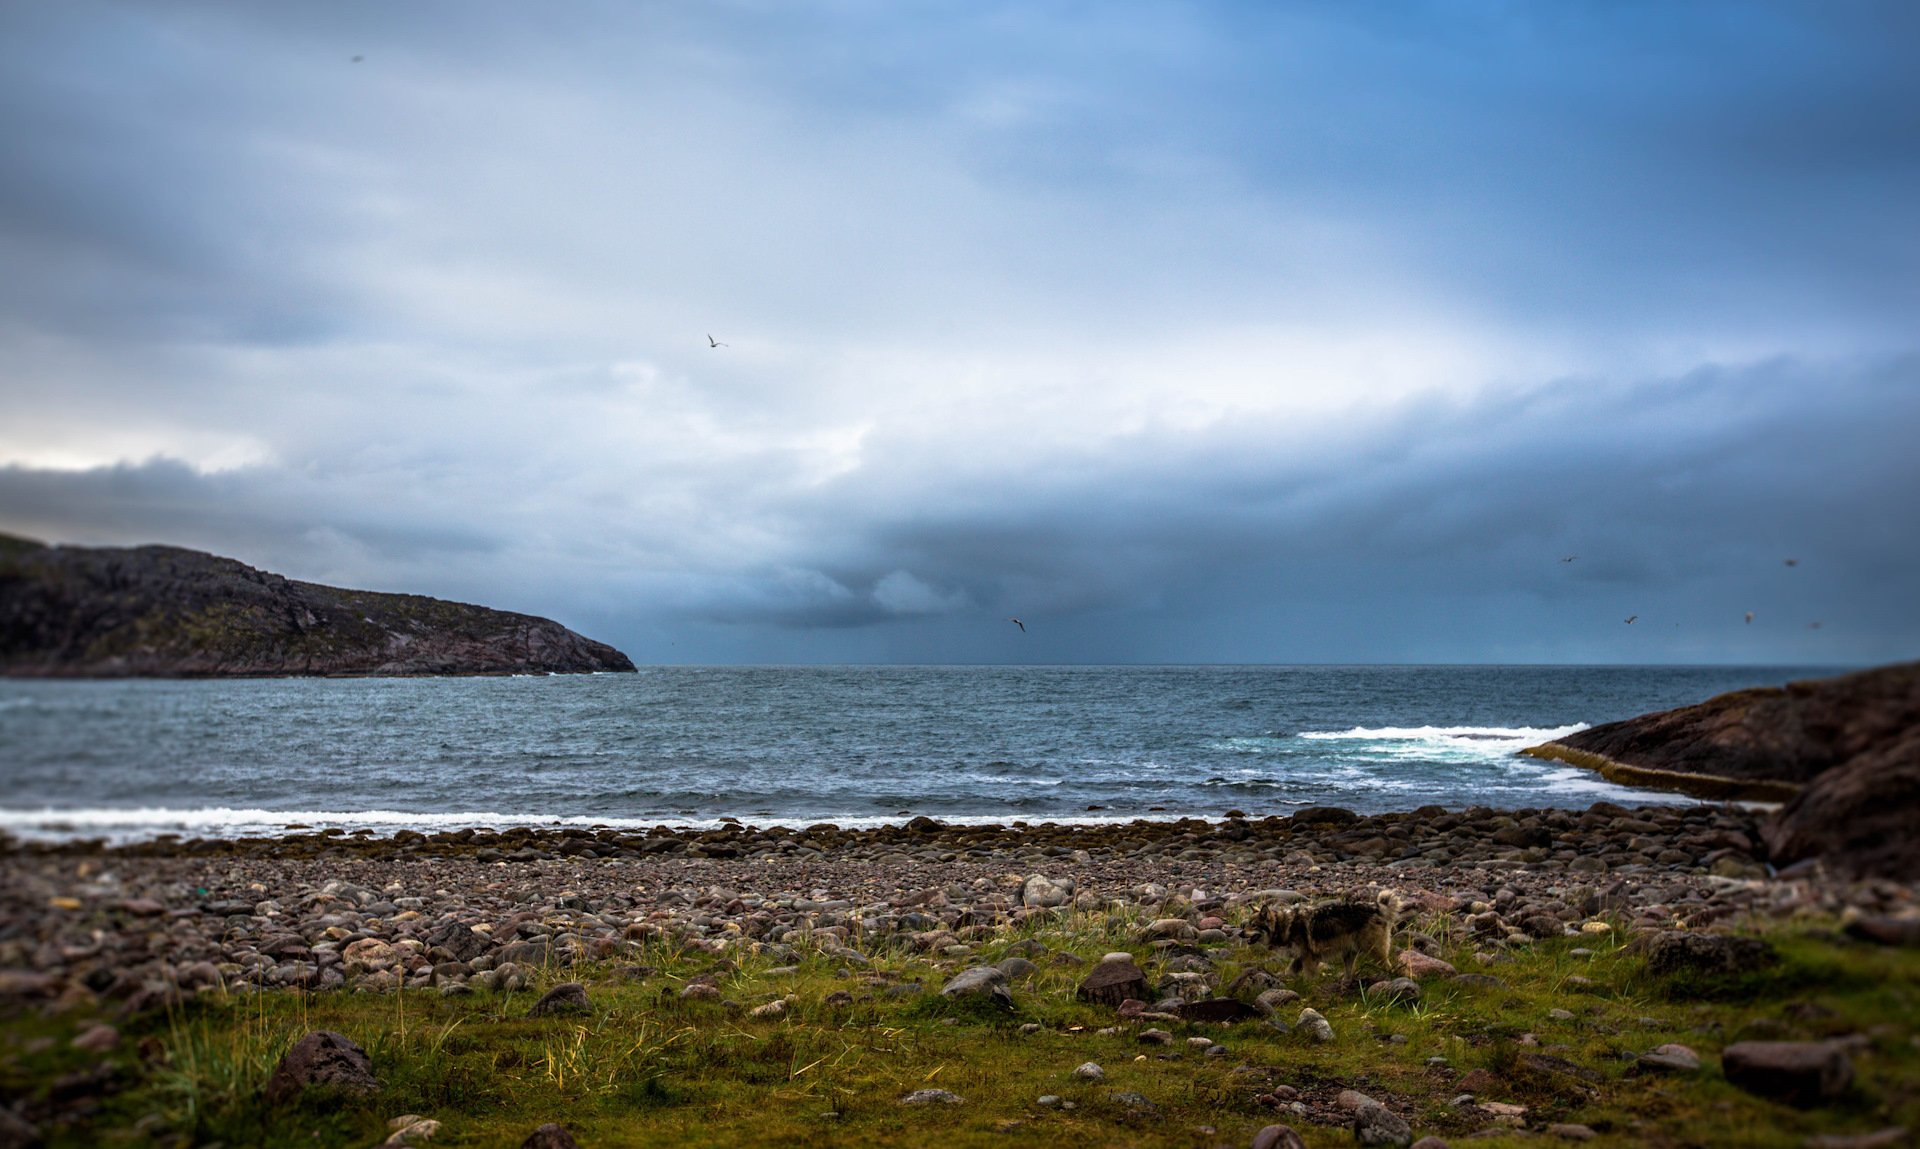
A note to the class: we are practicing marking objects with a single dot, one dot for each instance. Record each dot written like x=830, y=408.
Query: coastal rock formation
x=155, y=611
x=1858, y=817
x=1842, y=753
x=1773, y=739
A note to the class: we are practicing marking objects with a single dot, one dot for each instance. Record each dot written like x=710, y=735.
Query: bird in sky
x=1813, y=626
x=1792, y=562
x=1569, y=558
x=1630, y=619
x=1018, y=623
x=1749, y=618
x=357, y=59
x=712, y=342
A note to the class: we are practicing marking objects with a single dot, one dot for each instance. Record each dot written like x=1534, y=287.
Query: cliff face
x=1842, y=754
x=167, y=612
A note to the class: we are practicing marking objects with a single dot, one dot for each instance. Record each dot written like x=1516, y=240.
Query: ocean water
x=773, y=745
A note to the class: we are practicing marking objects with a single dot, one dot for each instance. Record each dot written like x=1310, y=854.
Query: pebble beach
x=454, y=911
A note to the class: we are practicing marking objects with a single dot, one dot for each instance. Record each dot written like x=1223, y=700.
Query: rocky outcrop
x=1859, y=817
x=1764, y=743
x=1842, y=754
x=115, y=612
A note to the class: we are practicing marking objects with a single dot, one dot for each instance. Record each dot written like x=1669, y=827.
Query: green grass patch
x=648, y=1067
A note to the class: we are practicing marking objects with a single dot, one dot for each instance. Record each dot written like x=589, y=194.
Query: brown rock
x=550, y=1136
x=1112, y=982
x=1278, y=1137
x=1885, y=931
x=1217, y=1009
x=1413, y=963
x=1375, y=1124
x=1669, y=1058
x=1789, y=734
x=1801, y=1073
x=1684, y=951
x=323, y=1060
x=1857, y=817
x=567, y=997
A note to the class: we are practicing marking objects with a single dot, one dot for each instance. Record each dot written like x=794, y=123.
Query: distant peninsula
x=168, y=612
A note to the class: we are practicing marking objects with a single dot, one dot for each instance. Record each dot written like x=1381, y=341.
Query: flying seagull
x=1569, y=558
x=1792, y=562
x=1018, y=623
x=1749, y=618
x=1630, y=619
x=357, y=59
x=1813, y=626
x=712, y=342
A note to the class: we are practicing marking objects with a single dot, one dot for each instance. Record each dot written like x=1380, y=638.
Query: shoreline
x=167, y=950
x=141, y=923
x=726, y=836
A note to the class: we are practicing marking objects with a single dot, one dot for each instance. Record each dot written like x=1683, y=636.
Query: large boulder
x=323, y=1061
x=1802, y=1073
x=1044, y=892
x=1683, y=951
x=567, y=997
x=982, y=981
x=1113, y=981
x=1375, y=1124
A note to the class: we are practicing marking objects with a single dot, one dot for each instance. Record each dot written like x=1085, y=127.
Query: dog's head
x=1272, y=924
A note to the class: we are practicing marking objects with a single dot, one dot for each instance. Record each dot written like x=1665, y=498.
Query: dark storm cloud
x=1239, y=331
x=1679, y=498
x=1435, y=533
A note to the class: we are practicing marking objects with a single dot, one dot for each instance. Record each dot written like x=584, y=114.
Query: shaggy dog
x=1347, y=929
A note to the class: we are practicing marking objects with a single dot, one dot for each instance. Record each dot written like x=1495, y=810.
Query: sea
x=793, y=746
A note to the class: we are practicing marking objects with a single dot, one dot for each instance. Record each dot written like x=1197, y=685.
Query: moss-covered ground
x=648, y=1067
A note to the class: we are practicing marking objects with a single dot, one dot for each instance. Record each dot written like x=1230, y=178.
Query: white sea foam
x=1564, y=780
x=1451, y=741
x=142, y=823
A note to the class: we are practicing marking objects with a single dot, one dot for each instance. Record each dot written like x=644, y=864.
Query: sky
x=1182, y=332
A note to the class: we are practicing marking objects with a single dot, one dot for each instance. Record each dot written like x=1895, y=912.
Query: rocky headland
x=166, y=612
x=1841, y=754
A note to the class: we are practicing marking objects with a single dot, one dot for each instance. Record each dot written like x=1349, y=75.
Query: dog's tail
x=1391, y=905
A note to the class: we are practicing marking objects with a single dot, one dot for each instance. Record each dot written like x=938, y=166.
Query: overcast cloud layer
x=1204, y=332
